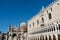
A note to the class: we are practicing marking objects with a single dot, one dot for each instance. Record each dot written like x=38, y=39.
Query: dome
x=23, y=24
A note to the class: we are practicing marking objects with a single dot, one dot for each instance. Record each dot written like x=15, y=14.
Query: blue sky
x=16, y=11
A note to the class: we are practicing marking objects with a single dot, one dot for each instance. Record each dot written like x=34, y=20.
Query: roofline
x=44, y=9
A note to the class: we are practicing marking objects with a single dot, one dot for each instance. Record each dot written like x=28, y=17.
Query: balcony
x=42, y=24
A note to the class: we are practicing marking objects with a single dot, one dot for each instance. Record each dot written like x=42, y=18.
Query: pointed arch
x=46, y=38
x=49, y=37
x=42, y=19
x=54, y=37
x=58, y=36
x=50, y=16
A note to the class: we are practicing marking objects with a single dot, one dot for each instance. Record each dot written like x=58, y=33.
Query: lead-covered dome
x=23, y=24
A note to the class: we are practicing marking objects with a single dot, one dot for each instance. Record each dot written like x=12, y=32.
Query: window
x=57, y=22
x=33, y=23
x=38, y=38
x=43, y=20
x=59, y=26
x=57, y=3
x=50, y=16
x=38, y=22
x=50, y=30
x=54, y=28
x=10, y=34
x=51, y=9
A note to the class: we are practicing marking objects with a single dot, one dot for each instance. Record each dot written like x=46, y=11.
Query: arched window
x=59, y=26
x=14, y=35
x=51, y=9
x=54, y=28
x=50, y=30
x=50, y=17
x=43, y=20
x=33, y=23
x=37, y=22
x=10, y=34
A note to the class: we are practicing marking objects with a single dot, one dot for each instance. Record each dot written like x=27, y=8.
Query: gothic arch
x=40, y=38
x=43, y=37
x=58, y=36
x=46, y=38
x=50, y=16
x=49, y=37
x=42, y=19
x=14, y=36
x=54, y=37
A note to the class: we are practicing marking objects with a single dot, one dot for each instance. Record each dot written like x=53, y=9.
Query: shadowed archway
x=50, y=37
x=54, y=37
x=40, y=38
x=58, y=36
x=46, y=38
x=14, y=36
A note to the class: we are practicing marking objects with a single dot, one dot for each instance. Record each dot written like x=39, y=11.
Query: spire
x=10, y=25
x=10, y=28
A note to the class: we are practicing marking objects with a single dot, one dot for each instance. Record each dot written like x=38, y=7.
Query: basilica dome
x=23, y=24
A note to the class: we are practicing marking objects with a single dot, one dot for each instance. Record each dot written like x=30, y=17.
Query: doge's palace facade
x=46, y=24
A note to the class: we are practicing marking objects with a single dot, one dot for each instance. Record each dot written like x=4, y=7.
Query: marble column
x=48, y=37
x=56, y=37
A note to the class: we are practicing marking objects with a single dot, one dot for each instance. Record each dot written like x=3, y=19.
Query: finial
x=10, y=25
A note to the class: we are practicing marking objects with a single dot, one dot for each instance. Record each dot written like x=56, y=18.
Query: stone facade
x=4, y=36
x=18, y=33
x=46, y=24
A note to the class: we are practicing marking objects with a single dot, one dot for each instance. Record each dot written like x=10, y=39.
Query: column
x=39, y=37
x=44, y=37
x=56, y=36
x=58, y=27
x=52, y=37
x=48, y=37
x=55, y=28
x=35, y=38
